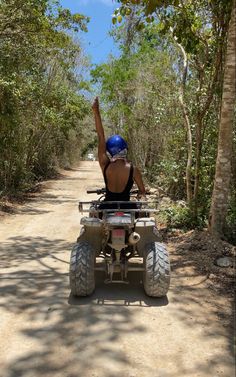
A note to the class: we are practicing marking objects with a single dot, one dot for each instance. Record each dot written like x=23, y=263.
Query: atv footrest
x=133, y=268
x=100, y=268
x=109, y=281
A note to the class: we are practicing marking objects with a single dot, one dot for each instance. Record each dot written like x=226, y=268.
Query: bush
x=179, y=215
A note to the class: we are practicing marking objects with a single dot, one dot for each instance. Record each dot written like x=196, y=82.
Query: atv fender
x=92, y=232
x=146, y=228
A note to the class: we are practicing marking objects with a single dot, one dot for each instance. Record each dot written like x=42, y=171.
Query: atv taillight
x=119, y=213
x=117, y=233
x=118, y=236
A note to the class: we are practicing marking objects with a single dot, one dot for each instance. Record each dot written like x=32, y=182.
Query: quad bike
x=118, y=232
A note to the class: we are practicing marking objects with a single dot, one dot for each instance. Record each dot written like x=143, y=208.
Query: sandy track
x=118, y=331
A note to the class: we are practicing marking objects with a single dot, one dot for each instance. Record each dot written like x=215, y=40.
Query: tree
x=41, y=104
x=199, y=28
x=220, y=195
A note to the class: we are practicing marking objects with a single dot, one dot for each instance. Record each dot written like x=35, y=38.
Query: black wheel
x=156, y=279
x=82, y=272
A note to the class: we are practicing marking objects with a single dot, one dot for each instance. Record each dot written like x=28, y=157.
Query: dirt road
x=118, y=331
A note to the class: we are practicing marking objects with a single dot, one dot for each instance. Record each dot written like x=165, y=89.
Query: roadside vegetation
x=41, y=91
x=171, y=94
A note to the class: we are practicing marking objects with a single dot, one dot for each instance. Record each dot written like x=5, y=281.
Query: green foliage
x=40, y=100
x=179, y=215
x=142, y=96
x=139, y=92
x=168, y=174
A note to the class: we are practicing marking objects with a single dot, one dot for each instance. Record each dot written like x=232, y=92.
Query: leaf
x=128, y=11
x=114, y=20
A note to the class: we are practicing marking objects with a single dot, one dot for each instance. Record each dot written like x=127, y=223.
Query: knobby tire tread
x=156, y=270
x=82, y=278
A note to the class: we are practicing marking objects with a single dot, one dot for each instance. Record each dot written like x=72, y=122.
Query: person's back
x=119, y=174
x=118, y=177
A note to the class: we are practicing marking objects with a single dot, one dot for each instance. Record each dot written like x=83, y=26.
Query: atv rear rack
x=95, y=207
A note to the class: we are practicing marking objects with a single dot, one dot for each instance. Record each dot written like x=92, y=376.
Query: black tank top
x=119, y=196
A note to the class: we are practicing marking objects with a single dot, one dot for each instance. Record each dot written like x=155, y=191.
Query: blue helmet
x=115, y=144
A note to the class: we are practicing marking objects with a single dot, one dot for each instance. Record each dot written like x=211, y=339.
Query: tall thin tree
x=221, y=190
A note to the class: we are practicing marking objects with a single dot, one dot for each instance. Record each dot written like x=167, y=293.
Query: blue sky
x=96, y=42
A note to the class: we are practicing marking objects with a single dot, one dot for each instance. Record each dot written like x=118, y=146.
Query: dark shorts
x=118, y=206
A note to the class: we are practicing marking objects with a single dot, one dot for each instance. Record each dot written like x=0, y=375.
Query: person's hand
x=95, y=105
x=141, y=197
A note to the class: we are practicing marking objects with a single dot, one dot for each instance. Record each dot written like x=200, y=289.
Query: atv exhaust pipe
x=133, y=238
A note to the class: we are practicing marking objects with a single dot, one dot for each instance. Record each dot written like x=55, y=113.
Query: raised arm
x=102, y=157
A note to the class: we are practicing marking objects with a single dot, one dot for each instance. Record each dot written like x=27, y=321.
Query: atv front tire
x=82, y=269
x=156, y=277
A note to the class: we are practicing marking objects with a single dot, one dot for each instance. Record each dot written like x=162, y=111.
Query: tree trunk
x=203, y=108
x=187, y=125
x=221, y=190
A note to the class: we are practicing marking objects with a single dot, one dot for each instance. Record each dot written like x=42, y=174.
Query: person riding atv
x=119, y=174
x=118, y=235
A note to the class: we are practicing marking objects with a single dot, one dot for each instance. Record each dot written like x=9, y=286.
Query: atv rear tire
x=82, y=272
x=156, y=279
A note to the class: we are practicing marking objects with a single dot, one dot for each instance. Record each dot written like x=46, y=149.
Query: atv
x=117, y=233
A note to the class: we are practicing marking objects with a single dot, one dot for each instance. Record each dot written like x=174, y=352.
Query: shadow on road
x=114, y=294
x=64, y=332
x=197, y=300
x=75, y=337
x=18, y=250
